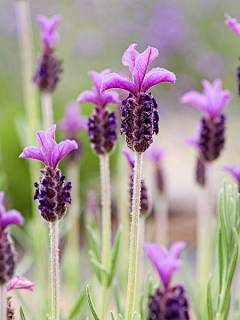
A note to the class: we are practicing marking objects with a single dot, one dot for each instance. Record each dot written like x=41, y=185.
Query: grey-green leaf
x=90, y=303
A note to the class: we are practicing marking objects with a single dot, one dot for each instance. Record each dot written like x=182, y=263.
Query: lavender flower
x=167, y=302
x=102, y=124
x=49, y=67
x=212, y=131
x=235, y=172
x=18, y=282
x=139, y=112
x=7, y=253
x=52, y=192
x=155, y=154
x=144, y=194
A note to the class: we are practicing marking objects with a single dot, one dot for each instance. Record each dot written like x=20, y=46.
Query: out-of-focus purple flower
x=92, y=207
x=73, y=120
x=212, y=100
x=233, y=24
x=50, y=153
x=129, y=156
x=49, y=35
x=155, y=153
x=139, y=112
x=165, y=262
x=52, y=192
x=18, y=282
x=102, y=124
x=95, y=96
x=138, y=65
x=235, y=172
x=9, y=217
x=193, y=141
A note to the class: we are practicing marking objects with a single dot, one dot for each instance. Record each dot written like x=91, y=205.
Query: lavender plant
x=7, y=253
x=102, y=133
x=53, y=195
x=139, y=121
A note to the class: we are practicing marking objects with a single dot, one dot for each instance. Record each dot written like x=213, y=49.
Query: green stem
x=106, y=224
x=54, y=240
x=134, y=237
x=47, y=110
x=3, y=302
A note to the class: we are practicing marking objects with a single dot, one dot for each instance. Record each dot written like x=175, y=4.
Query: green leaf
x=22, y=315
x=120, y=317
x=115, y=253
x=220, y=259
x=209, y=300
x=77, y=306
x=90, y=303
x=101, y=271
x=93, y=242
x=112, y=316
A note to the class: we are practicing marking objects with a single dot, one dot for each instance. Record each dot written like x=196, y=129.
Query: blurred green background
x=193, y=42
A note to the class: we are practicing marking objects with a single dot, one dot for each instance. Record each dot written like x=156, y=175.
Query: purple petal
x=33, y=153
x=18, y=282
x=97, y=77
x=129, y=57
x=110, y=97
x=155, y=153
x=113, y=80
x=177, y=248
x=62, y=149
x=12, y=217
x=234, y=171
x=155, y=76
x=193, y=141
x=195, y=98
x=49, y=35
x=141, y=65
x=233, y=24
x=87, y=96
x=130, y=157
x=47, y=143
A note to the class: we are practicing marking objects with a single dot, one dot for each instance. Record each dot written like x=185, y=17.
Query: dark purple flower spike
x=139, y=112
x=144, y=194
x=52, y=192
x=102, y=124
x=167, y=302
x=7, y=252
x=49, y=67
x=212, y=131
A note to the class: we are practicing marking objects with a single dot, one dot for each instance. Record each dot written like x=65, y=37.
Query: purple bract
x=50, y=153
x=212, y=100
x=49, y=35
x=165, y=262
x=73, y=120
x=18, y=282
x=233, y=24
x=235, y=172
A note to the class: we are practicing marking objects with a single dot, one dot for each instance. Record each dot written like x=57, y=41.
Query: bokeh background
x=193, y=42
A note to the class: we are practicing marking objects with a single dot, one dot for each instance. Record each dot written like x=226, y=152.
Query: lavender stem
x=134, y=237
x=47, y=110
x=161, y=220
x=3, y=302
x=106, y=223
x=54, y=240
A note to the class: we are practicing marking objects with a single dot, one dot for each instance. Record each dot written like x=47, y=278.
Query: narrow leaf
x=93, y=242
x=115, y=253
x=22, y=315
x=77, y=306
x=90, y=303
x=209, y=300
x=112, y=316
x=120, y=317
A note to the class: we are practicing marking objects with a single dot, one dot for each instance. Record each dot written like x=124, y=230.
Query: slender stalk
x=3, y=302
x=72, y=256
x=161, y=220
x=47, y=110
x=205, y=214
x=134, y=237
x=106, y=223
x=54, y=240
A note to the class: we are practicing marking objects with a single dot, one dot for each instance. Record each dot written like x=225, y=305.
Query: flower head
x=18, y=282
x=49, y=34
x=233, y=24
x=50, y=153
x=166, y=262
x=138, y=65
x=212, y=100
x=95, y=96
x=73, y=121
x=9, y=217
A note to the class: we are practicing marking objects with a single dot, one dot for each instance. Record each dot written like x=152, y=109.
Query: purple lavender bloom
x=49, y=35
x=52, y=192
x=212, y=131
x=18, y=282
x=7, y=253
x=49, y=66
x=102, y=124
x=233, y=24
x=144, y=205
x=165, y=262
x=139, y=112
x=235, y=172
